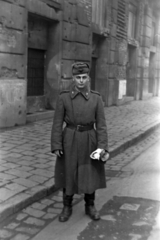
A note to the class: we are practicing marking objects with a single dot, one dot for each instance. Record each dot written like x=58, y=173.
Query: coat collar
x=85, y=92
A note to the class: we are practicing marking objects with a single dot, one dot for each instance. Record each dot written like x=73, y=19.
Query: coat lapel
x=85, y=92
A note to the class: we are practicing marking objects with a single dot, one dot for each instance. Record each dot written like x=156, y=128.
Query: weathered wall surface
x=76, y=37
x=66, y=28
x=47, y=38
x=148, y=63
x=68, y=35
x=12, y=102
x=101, y=18
x=12, y=63
x=131, y=59
x=53, y=65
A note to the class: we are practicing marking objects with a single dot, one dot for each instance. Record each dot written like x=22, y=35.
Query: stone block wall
x=148, y=54
x=14, y=43
x=68, y=29
x=76, y=37
x=117, y=49
x=12, y=63
x=70, y=37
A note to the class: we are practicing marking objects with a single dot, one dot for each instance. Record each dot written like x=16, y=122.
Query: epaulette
x=64, y=91
x=92, y=91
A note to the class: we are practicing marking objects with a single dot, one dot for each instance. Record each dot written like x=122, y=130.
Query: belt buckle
x=78, y=128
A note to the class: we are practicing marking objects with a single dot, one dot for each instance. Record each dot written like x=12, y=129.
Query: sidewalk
x=27, y=166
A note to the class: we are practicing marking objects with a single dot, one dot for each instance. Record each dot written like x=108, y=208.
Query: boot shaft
x=90, y=209
x=67, y=199
x=67, y=209
x=89, y=199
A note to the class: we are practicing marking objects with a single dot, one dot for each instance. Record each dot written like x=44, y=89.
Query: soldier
x=81, y=109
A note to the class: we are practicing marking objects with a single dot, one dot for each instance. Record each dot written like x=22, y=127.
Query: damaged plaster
x=12, y=102
x=8, y=73
x=7, y=36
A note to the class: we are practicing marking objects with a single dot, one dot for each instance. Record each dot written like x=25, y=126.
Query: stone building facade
x=40, y=39
x=127, y=63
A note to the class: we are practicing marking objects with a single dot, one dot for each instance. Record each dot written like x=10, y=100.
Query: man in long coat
x=81, y=109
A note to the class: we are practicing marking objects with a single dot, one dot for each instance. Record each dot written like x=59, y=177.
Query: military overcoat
x=75, y=170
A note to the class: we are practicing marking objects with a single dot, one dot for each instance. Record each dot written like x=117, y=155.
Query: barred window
x=35, y=72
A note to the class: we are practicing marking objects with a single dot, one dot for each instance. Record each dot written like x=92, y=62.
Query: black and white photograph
x=79, y=119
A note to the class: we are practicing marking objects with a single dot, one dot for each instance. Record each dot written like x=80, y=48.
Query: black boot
x=90, y=209
x=67, y=209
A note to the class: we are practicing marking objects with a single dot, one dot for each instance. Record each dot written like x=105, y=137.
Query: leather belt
x=80, y=128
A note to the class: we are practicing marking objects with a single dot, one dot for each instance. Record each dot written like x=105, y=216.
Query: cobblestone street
x=27, y=166
x=72, y=62
x=31, y=220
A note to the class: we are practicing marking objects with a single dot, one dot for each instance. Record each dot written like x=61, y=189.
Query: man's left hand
x=105, y=157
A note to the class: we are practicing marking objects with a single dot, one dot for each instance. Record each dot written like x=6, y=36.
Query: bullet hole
x=20, y=112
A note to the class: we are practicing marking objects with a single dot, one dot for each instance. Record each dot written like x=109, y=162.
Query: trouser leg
x=89, y=206
x=67, y=207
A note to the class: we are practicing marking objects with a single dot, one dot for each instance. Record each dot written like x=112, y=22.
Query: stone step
x=37, y=116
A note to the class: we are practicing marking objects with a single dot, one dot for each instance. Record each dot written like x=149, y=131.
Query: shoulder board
x=95, y=92
x=64, y=91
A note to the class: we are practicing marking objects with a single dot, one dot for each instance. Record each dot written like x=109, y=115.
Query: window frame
x=99, y=13
x=132, y=21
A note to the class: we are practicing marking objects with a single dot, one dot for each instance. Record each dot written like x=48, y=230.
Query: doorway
x=151, y=80
x=37, y=49
x=93, y=73
x=131, y=71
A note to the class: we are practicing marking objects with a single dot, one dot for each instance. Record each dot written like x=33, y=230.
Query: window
x=132, y=21
x=121, y=19
x=99, y=12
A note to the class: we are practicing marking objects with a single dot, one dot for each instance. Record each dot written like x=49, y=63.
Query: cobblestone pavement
x=27, y=166
x=28, y=222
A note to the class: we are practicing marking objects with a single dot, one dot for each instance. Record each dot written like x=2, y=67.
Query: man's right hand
x=59, y=153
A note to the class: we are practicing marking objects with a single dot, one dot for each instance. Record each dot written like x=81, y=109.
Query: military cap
x=80, y=68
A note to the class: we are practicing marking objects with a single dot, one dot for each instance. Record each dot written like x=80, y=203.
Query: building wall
x=52, y=14
x=147, y=75
x=66, y=28
x=12, y=63
x=14, y=43
x=76, y=37
x=125, y=67
x=128, y=68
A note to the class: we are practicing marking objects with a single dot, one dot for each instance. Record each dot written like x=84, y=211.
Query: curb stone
x=137, y=138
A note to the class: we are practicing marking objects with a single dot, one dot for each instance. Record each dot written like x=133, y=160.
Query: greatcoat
x=75, y=170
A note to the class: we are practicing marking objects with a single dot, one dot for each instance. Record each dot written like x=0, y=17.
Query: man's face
x=81, y=80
